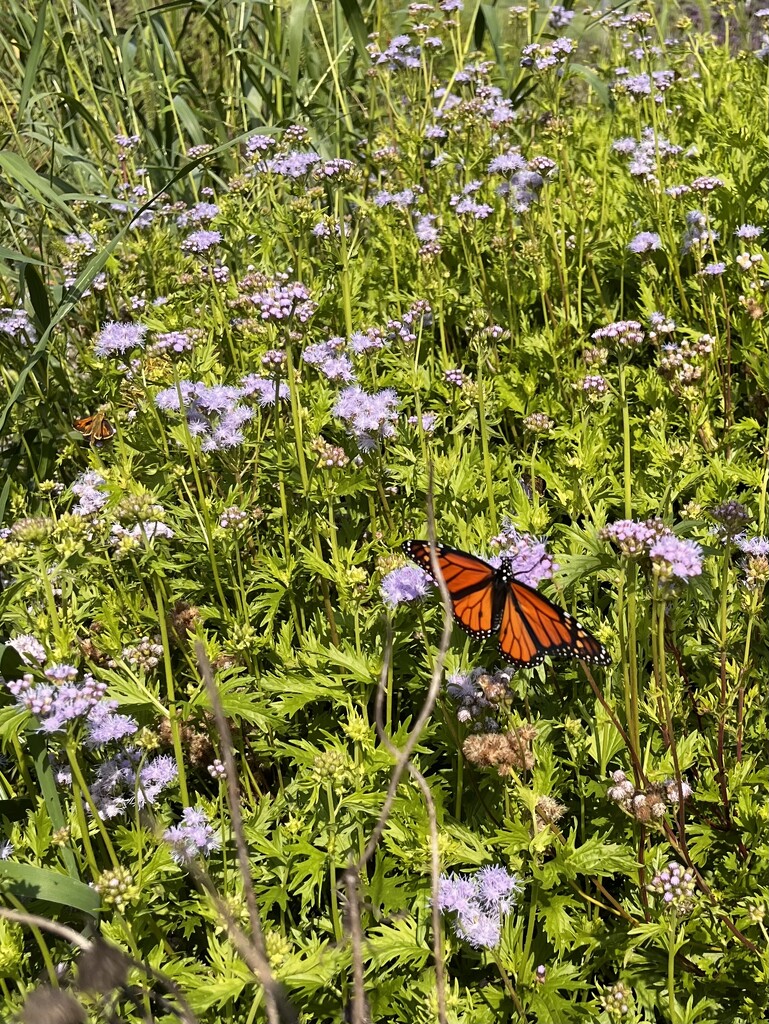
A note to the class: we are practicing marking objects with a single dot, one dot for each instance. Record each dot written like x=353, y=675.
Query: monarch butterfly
x=97, y=428
x=486, y=600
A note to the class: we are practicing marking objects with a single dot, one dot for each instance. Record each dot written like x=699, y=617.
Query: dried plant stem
x=403, y=761
x=253, y=951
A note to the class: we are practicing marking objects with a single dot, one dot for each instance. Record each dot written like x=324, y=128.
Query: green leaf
x=357, y=27
x=33, y=61
x=38, y=295
x=398, y=942
x=31, y=883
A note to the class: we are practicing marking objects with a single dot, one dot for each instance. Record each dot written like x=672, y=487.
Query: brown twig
x=257, y=954
x=402, y=763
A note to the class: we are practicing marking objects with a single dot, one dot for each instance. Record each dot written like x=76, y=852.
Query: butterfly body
x=488, y=600
x=96, y=428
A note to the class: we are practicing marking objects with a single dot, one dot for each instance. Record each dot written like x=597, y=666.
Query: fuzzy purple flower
x=749, y=231
x=713, y=270
x=674, y=559
x=526, y=555
x=645, y=241
x=193, y=838
x=626, y=333
x=265, y=389
x=369, y=417
x=119, y=338
x=201, y=241
x=480, y=903
x=409, y=583
x=87, y=488
x=29, y=649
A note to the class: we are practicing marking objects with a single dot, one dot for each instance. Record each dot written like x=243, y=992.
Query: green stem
x=485, y=447
x=672, y=969
x=173, y=720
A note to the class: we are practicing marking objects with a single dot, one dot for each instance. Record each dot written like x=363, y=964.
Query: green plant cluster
x=272, y=289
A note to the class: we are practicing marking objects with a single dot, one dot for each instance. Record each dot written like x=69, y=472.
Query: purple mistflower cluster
x=119, y=338
x=594, y=386
x=16, y=323
x=29, y=649
x=545, y=58
x=457, y=113
x=697, y=234
x=257, y=145
x=480, y=903
x=277, y=298
x=523, y=181
x=124, y=780
x=713, y=270
x=194, y=837
x=642, y=153
x=369, y=417
x=429, y=419
x=402, y=200
x=706, y=184
x=477, y=694
x=645, y=241
x=624, y=333
x=633, y=538
x=293, y=164
x=675, y=559
x=660, y=324
x=427, y=234
x=87, y=489
x=401, y=53
x=644, y=84
x=526, y=555
x=683, y=361
x=125, y=143
x=337, y=167
x=214, y=413
x=464, y=202
x=731, y=517
x=175, y=341
x=456, y=377
x=201, y=240
x=756, y=546
x=671, y=558
x=62, y=700
x=200, y=213
x=755, y=565
x=748, y=231
x=560, y=16
x=401, y=586
x=330, y=360
x=676, y=886
x=266, y=389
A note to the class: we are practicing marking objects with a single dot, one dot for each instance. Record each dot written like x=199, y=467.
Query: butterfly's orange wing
x=533, y=627
x=470, y=583
x=96, y=428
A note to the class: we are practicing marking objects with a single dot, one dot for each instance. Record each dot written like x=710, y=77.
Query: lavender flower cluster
x=526, y=554
x=194, y=837
x=477, y=695
x=677, y=887
x=62, y=701
x=127, y=778
x=404, y=585
x=216, y=413
x=671, y=558
x=480, y=902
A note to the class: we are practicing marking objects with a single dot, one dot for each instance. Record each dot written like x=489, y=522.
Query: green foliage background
x=288, y=605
